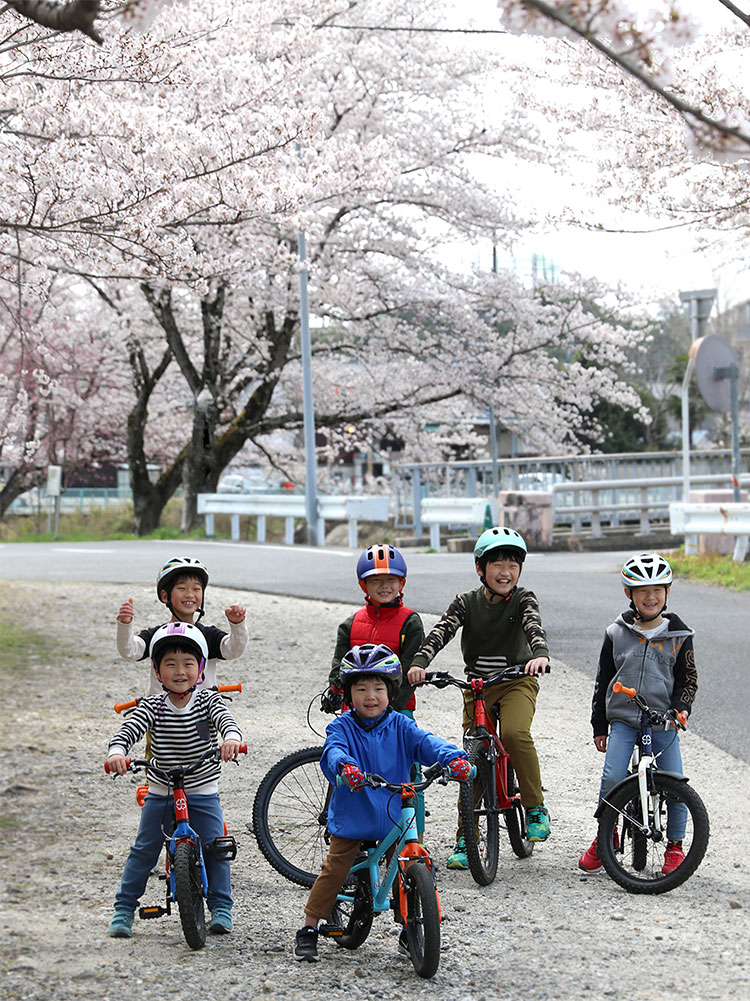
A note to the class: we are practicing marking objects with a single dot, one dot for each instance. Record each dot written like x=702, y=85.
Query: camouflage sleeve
x=531, y=622
x=441, y=634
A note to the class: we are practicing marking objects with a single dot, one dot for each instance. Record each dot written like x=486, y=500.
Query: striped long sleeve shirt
x=179, y=736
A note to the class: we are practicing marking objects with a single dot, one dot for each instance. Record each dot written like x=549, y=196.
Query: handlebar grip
x=683, y=718
x=243, y=749
x=122, y=706
x=630, y=692
x=229, y=688
x=107, y=768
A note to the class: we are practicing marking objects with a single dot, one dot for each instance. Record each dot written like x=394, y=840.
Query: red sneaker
x=673, y=856
x=590, y=860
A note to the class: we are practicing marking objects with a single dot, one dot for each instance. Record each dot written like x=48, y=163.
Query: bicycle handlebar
x=123, y=706
x=134, y=763
x=441, y=679
x=436, y=771
x=656, y=716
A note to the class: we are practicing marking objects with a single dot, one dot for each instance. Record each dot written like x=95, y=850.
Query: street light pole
x=308, y=414
x=698, y=303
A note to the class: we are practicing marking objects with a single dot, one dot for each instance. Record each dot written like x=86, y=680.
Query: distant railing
x=73, y=499
x=474, y=478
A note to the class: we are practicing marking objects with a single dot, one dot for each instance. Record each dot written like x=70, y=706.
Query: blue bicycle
x=408, y=884
x=185, y=869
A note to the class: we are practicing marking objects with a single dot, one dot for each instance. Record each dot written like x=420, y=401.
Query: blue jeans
x=207, y=821
x=666, y=745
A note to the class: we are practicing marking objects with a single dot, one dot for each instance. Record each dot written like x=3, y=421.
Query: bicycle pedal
x=144, y=913
x=330, y=930
x=224, y=849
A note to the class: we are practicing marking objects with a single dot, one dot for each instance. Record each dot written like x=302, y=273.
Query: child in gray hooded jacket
x=650, y=650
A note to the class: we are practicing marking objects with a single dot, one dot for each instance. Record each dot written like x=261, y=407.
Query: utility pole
x=311, y=469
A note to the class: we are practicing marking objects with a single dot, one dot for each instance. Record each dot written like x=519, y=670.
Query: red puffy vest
x=381, y=624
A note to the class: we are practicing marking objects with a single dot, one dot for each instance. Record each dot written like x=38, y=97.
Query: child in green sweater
x=500, y=625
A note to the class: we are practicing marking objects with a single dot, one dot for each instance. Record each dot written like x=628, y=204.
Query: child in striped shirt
x=184, y=723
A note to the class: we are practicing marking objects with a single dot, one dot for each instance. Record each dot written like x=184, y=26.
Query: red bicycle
x=494, y=791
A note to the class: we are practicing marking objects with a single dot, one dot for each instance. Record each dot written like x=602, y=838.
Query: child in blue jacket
x=370, y=738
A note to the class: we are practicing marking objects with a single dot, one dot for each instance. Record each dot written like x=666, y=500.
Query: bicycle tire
x=620, y=847
x=188, y=891
x=515, y=820
x=422, y=920
x=480, y=823
x=354, y=917
x=290, y=813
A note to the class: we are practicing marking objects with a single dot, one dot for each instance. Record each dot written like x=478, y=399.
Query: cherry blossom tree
x=172, y=172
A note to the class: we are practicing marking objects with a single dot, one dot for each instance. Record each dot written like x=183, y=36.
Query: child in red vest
x=381, y=572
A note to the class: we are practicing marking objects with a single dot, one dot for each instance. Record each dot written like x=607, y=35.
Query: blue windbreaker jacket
x=388, y=749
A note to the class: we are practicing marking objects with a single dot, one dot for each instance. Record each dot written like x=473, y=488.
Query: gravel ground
x=543, y=930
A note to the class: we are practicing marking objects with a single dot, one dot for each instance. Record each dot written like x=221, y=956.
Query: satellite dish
x=714, y=359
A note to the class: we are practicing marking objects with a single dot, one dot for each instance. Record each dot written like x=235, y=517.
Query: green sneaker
x=121, y=925
x=458, y=859
x=537, y=823
x=221, y=921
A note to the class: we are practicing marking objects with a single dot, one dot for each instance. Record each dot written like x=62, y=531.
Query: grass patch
x=713, y=569
x=97, y=525
x=23, y=647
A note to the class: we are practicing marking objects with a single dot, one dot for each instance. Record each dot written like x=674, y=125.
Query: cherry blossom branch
x=77, y=15
x=690, y=113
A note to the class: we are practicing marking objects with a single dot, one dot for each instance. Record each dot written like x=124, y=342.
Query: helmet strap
x=496, y=594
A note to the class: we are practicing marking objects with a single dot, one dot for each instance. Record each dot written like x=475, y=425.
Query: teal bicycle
x=407, y=885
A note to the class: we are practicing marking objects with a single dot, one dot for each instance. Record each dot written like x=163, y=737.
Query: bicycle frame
x=402, y=837
x=485, y=729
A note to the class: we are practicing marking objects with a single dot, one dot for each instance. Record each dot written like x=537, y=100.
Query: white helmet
x=182, y=633
x=180, y=566
x=646, y=568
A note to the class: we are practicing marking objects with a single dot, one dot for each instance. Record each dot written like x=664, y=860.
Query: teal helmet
x=499, y=538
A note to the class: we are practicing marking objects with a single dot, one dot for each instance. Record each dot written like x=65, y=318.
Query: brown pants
x=517, y=705
x=333, y=873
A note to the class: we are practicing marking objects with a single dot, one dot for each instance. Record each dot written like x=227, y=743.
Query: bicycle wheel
x=635, y=858
x=479, y=817
x=290, y=812
x=515, y=820
x=188, y=891
x=355, y=916
x=423, y=920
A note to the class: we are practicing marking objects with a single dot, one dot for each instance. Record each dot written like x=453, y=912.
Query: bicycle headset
x=367, y=661
x=502, y=540
x=378, y=559
x=643, y=570
x=181, y=566
x=179, y=636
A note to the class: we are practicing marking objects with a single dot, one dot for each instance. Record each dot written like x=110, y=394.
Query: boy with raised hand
x=181, y=586
x=651, y=650
x=183, y=722
x=500, y=625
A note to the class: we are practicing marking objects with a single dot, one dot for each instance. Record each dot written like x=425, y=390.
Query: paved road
x=579, y=595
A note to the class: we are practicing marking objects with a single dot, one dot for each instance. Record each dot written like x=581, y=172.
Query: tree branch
x=688, y=111
x=77, y=15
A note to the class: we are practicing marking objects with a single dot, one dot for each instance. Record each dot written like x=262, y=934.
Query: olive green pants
x=515, y=702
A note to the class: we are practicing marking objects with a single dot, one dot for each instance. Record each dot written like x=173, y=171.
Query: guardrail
x=289, y=507
x=460, y=511
x=648, y=500
x=712, y=519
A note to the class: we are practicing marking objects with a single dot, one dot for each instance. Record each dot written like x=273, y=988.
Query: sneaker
x=673, y=856
x=403, y=943
x=590, y=860
x=306, y=945
x=458, y=859
x=221, y=921
x=121, y=925
x=537, y=823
